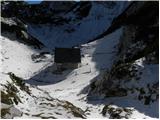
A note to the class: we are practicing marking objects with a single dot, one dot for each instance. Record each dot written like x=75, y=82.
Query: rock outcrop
x=139, y=43
x=16, y=93
x=15, y=26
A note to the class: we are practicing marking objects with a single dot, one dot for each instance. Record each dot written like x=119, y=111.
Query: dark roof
x=67, y=55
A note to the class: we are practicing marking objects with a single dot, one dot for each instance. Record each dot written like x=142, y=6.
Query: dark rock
x=115, y=113
x=118, y=92
x=147, y=100
x=17, y=27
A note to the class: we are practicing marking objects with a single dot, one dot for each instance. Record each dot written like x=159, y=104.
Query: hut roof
x=67, y=55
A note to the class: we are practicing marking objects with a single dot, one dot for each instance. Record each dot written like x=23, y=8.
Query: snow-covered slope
x=31, y=87
x=80, y=31
x=31, y=101
x=66, y=86
x=48, y=89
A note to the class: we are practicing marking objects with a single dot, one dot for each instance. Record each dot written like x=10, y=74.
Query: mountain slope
x=29, y=100
x=70, y=85
x=118, y=76
x=77, y=31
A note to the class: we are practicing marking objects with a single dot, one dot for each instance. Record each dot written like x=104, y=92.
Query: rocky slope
x=20, y=99
x=69, y=26
x=17, y=28
x=137, y=56
x=16, y=93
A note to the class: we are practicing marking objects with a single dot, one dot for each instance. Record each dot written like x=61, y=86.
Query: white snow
x=16, y=58
x=98, y=55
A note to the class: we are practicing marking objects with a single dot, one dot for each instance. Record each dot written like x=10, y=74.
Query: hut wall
x=61, y=66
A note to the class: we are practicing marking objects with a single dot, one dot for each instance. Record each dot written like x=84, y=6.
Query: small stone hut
x=67, y=58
